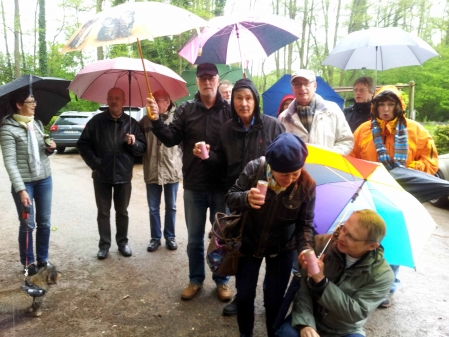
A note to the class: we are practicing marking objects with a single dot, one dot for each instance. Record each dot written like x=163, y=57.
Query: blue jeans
x=196, y=204
x=286, y=330
x=154, y=192
x=40, y=193
x=396, y=282
x=277, y=275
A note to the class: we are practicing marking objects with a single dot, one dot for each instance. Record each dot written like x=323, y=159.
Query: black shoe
x=246, y=335
x=230, y=309
x=154, y=245
x=44, y=264
x=125, y=251
x=102, y=254
x=171, y=244
x=32, y=269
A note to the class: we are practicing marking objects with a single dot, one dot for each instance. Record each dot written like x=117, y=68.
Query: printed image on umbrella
x=379, y=49
x=94, y=81
x=234, y=39
x=346, y=184
x=130, y=21
x=50, y=93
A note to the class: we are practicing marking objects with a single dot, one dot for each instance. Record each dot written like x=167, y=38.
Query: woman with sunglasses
x=25, y=151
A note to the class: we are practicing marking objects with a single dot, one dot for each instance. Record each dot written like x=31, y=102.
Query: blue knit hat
x=287, y=153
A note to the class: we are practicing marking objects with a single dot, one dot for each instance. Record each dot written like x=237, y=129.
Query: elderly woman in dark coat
x=278, y=226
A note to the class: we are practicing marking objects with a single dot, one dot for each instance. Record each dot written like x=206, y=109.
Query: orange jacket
x=422, y=153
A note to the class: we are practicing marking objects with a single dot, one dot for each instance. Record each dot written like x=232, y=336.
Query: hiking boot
x=224, y=292
x=190, y=291
x=387, y=303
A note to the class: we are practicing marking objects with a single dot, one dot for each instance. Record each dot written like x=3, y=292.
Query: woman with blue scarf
x=25, y=150
x=392, y=139
x=395, y=141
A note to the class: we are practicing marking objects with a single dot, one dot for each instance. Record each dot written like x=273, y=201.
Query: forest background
x=36, y=30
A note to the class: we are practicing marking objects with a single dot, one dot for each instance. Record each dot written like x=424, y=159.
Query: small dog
x=15, y=299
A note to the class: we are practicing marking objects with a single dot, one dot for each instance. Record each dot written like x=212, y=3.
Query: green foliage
x=441, y=138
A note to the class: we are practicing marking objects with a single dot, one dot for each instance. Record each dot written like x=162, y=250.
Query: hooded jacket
x=192, y=123
x=422, y=154
x=284, y=222
x=236, y=146
x=357, y=114
x=329, y=127
x=351, y=294
x=104, y=148
x=161, y=165
x=14, y=142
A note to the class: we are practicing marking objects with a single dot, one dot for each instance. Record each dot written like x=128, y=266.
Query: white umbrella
x=379, y=49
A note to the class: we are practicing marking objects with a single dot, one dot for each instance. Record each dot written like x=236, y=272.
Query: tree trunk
x=43, y=57
x=16, y=39
x=8, y=56
x=100, y=54
x=303, y=34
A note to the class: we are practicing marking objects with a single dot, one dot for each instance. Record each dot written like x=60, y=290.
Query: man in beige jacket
x=162, y=171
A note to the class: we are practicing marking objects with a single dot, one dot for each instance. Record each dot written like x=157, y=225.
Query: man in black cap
x=198, y=120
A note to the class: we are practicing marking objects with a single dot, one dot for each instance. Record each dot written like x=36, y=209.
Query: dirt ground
x=140, y=295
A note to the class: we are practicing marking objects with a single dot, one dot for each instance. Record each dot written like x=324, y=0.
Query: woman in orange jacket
x=392, y=139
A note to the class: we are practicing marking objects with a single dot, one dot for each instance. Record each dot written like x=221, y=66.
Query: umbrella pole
x=150, y=95
x=240, y=49
x=375, y=81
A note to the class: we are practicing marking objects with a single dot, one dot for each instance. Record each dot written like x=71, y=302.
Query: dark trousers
x=277, y=275
x=104, y=193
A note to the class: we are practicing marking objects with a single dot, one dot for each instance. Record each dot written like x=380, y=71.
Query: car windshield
x=72, y=120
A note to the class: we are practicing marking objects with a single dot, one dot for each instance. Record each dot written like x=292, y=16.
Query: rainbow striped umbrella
x=346, y=184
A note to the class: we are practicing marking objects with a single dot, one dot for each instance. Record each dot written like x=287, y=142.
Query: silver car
x=68, y=127
x=443, y=173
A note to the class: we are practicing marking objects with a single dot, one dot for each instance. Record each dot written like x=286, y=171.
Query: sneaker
x=387, y=303
x=224, y=292
x=190, y=291
x=32, y=269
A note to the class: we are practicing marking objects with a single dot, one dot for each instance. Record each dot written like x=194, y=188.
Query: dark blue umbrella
x=51, y=94
x=273, y=96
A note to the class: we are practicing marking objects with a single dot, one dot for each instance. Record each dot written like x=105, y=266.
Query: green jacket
x=350, y=296
x=14, y=142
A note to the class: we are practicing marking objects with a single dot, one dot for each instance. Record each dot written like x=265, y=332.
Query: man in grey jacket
x=313, y=119
x=161, y=171
x=353, y=279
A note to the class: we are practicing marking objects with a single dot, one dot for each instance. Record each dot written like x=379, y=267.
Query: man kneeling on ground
x=353, y=280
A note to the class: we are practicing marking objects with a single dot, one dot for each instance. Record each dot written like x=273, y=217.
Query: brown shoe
x=190, y=291
x=224, y=292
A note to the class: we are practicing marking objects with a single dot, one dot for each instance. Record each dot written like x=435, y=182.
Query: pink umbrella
x=232, y=39
x=94, y=81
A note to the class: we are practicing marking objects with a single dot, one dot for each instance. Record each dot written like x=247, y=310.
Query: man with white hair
x=315, y=120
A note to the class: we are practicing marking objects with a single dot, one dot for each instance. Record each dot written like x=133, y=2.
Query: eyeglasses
x=301, y=84
x=30, y=102
x=350, y=237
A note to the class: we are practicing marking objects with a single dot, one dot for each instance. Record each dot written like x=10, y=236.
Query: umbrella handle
x=150, y=94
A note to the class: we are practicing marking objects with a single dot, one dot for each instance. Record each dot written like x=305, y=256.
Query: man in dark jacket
x=360, y=111
x=108, y=145
x=243, y=138
x=194, y=121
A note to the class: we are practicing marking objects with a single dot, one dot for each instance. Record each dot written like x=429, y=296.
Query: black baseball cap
x=206, y=69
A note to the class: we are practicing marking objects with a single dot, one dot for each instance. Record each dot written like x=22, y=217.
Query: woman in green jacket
x=25, y=149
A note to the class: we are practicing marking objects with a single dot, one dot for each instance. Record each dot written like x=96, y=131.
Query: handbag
x=223, y=252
